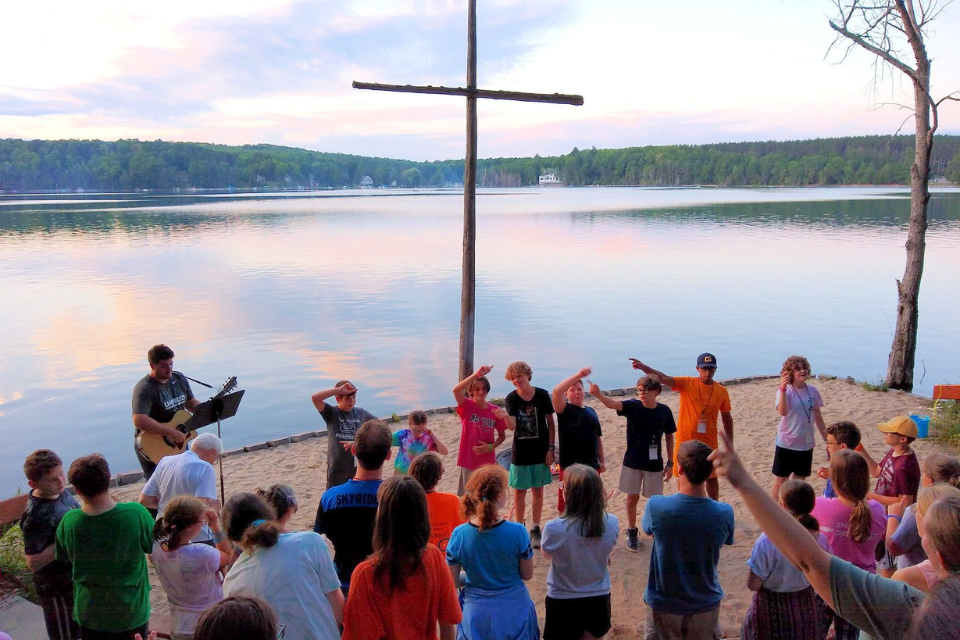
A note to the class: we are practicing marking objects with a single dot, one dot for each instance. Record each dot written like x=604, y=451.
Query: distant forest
x=129, y=165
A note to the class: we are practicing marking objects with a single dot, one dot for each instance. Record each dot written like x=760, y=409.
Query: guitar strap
x=208, y=386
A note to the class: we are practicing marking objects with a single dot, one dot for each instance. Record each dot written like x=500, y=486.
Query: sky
x=280, y=72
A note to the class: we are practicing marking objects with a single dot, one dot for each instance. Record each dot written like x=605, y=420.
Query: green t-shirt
x=111, y=589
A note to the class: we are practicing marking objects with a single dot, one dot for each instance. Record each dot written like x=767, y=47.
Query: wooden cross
x=471, y=93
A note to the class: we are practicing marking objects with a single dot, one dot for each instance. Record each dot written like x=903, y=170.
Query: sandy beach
x=303, y=466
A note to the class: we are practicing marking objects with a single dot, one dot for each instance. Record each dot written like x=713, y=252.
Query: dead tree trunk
x=880, y=27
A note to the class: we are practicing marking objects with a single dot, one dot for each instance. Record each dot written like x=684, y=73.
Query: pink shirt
x=834, y=519
x=478, y=428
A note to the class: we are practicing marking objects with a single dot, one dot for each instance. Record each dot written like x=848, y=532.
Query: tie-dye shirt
x=410, y=447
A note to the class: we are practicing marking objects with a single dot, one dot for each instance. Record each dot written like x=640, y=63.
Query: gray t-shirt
x=341, y=427
x=881, y=608
x=161, y=401
x=579, y=565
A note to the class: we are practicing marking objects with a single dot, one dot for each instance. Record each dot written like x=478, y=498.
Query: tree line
x=128, y=165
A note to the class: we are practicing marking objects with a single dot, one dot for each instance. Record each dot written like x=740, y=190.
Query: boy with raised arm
x=343, y=421
x=578, y=429
x=701, y=400
x=643, y=468
x=529, y=413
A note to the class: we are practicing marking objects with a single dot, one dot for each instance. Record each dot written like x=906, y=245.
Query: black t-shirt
x=341, y=427
x=531, y=440
x=578, y=429
x=39, y=524
x=161, y=401
x=645, y=429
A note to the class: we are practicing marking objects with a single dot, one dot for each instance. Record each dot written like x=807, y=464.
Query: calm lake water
x=291, y=293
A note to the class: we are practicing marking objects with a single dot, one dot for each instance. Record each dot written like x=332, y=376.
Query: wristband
x=552, y=447
x=893, y=515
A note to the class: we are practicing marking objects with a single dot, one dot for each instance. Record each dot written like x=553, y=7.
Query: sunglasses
x=280, y=629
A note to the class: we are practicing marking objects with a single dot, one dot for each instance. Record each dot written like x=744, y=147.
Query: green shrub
x=500, y=402
x=12, y=561
x=945, y=423
x=879, y=385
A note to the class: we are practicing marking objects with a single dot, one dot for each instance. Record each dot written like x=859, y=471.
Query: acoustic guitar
x=155, y=447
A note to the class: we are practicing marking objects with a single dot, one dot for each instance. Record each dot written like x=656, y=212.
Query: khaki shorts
x=464, y=477
x=634, y=482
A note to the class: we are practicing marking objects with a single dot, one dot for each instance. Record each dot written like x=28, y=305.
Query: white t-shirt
x=293, y=577
x=189, y=577
x=184, y=474
x=579, y=565
x=795, y=430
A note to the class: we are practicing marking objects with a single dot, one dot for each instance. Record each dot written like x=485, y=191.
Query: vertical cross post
x=468, y=292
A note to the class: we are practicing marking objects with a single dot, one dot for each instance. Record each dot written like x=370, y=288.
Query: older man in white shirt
x=189, y=473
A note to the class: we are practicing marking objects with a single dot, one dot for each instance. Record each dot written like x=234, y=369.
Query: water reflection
x=292, y=294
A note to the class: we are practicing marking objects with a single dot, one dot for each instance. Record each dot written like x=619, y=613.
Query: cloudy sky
x=279, y=71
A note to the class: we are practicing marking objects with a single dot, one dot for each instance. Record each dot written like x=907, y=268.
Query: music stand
x=215, y=410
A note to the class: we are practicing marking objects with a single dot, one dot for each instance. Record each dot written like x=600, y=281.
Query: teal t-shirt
x=111, y=590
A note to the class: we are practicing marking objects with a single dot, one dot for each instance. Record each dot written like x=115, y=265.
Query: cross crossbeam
x=471, y=93
x=520, y=96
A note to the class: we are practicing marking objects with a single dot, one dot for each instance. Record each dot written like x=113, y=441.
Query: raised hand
x=586, y=371
x=636, y=363
x=484, y=370
x=346, y=389
x=899, y=507
x=784, y=380
x=594, y=390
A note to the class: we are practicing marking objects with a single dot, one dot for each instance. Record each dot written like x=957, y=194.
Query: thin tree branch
x=875, y=50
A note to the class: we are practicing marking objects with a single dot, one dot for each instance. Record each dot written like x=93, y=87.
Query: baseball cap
x=901, y=425
x=706, y=361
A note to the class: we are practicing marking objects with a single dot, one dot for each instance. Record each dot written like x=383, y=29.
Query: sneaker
x=633, y=540
x=535, y=537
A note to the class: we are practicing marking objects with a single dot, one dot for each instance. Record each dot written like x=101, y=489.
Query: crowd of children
x=411, y=562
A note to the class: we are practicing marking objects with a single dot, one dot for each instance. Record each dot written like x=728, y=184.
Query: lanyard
x=703, y=407
x=803, y=405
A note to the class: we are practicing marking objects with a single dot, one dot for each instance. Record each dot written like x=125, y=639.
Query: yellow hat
x=901, y=425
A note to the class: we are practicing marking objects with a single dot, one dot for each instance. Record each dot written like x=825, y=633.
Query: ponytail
x=482, y=492
x=180, y=514
x=809, y=523
x=248, y=520
x=861, y=520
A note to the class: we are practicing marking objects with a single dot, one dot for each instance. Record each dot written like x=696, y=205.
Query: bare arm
x=191, y=404
x=150, y=502
x=455, y=572
x=788, y=535
x=558, y=397
x=463, y=387
x=603, y=459
x=39, y=560
x=441, y=448
x=897, y=509
x=668, y=465
x=319, y=398
x=666, y=380
x=448, y=631
x=871, y=463
x=754, y=582
x=498, y=439
x=727, y=418
x=552, y=439
x=609, y=403
x=526, y=569
x=821, y=425
x=782, y=395
x=886, y=501
x=913, y=577
x=335, y=598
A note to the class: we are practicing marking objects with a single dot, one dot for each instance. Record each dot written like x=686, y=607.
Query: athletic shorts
x=787, y=461
x=529, y=476
x=634, y=482
x=567, y=619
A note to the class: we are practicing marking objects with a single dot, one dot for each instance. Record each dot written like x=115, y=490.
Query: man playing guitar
x=157, y=398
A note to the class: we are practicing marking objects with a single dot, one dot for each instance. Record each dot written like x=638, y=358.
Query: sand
x=755, y=420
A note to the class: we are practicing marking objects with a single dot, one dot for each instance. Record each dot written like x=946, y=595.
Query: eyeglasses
x=833, y=444
x=646, y=390
x=280, y=629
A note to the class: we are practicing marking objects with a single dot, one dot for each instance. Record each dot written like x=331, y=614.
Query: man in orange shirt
x=701, y=400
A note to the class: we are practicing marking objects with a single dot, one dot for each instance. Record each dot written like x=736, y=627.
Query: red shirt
x=408, y=613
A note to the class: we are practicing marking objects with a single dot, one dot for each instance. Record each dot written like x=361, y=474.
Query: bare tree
x=895, y=31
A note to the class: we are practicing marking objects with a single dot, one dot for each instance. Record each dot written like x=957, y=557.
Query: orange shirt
x=699, y=402
x=444, y=510
x=408, y=613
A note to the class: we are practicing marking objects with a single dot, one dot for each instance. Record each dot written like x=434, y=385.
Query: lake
x=293, y=292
